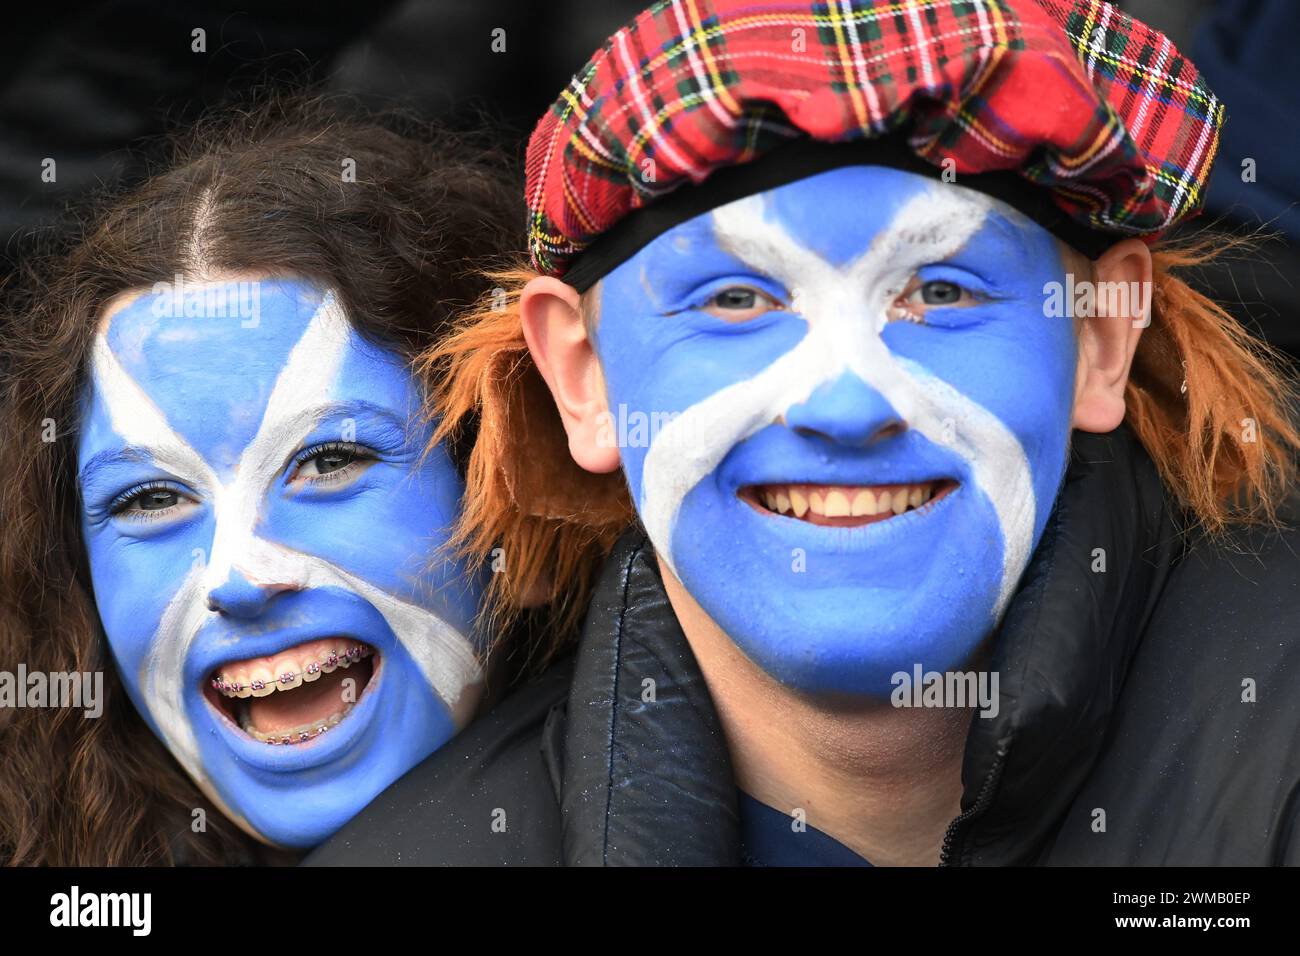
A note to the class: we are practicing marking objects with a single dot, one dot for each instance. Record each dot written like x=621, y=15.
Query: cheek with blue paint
x=842, y=387
x=255, y=506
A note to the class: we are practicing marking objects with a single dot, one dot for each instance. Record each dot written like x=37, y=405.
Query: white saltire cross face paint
x=852, y=481
x=263, y=540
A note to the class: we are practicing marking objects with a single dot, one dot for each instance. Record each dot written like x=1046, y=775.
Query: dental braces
x=350, y=656
x=302, y=737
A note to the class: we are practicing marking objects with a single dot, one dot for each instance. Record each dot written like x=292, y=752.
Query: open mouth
x=296, y=694
x=845, y=506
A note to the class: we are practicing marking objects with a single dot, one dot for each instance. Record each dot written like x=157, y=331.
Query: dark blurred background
x=94, y=84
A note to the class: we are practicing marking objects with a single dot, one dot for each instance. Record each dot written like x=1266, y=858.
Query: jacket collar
x=644, y=773
x=1064, y=648
x=646, y=777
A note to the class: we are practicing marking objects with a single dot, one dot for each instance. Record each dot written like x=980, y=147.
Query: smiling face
x=856, y=417
x=262, y=537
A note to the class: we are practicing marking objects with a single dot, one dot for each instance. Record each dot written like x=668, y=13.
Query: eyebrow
x=354, y=408
x=142, y=454
x=128, y=454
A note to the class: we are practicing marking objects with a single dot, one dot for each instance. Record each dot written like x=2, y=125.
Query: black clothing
x=1121, y=691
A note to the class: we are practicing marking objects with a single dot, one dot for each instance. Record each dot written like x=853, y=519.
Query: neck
x=883, y=781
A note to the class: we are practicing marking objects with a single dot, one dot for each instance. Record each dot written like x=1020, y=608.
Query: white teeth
x=262, y=682
x=299, y=734
x=798, y=502
x=864, y=503
x=837, y=505
x=288, y=675
x=837, y=502
x=286, y=672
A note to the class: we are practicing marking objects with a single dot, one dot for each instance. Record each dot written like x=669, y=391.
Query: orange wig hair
x=1210, y=404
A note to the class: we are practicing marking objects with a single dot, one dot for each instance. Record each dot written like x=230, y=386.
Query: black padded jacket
x=1164, y=691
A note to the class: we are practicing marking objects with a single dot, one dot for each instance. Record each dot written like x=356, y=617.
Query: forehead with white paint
x=210, y=376
x=217, y=387
x=830, y=222
x=837, y=249
x=802, y=393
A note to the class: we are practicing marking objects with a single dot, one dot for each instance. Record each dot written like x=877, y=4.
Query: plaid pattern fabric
x=1074, y=94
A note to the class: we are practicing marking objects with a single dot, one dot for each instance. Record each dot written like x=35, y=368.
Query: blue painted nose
x=240, y=598
x=847, y=411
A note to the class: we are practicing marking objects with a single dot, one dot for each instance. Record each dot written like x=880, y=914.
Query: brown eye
x=332, y=461
x=149, y=501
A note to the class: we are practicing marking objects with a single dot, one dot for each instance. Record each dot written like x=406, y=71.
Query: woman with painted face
x=913, y=508
x=222, y=493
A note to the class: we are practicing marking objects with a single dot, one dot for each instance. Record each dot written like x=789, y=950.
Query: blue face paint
x=254, y=502
x=843, y=390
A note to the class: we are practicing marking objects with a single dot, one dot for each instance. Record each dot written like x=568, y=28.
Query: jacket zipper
x=982, y=800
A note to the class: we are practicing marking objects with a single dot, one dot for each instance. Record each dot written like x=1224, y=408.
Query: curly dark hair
x=252, y=189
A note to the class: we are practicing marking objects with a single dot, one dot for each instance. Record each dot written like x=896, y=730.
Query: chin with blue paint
x=859, y=417
x=263, y=535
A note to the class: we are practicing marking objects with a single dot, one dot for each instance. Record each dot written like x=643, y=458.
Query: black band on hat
x=800, y=159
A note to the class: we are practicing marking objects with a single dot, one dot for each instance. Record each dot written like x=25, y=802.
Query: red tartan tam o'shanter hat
x=1087, y=120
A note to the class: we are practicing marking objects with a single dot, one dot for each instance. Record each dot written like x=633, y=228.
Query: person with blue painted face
x=891, y=462
x=239, y=508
